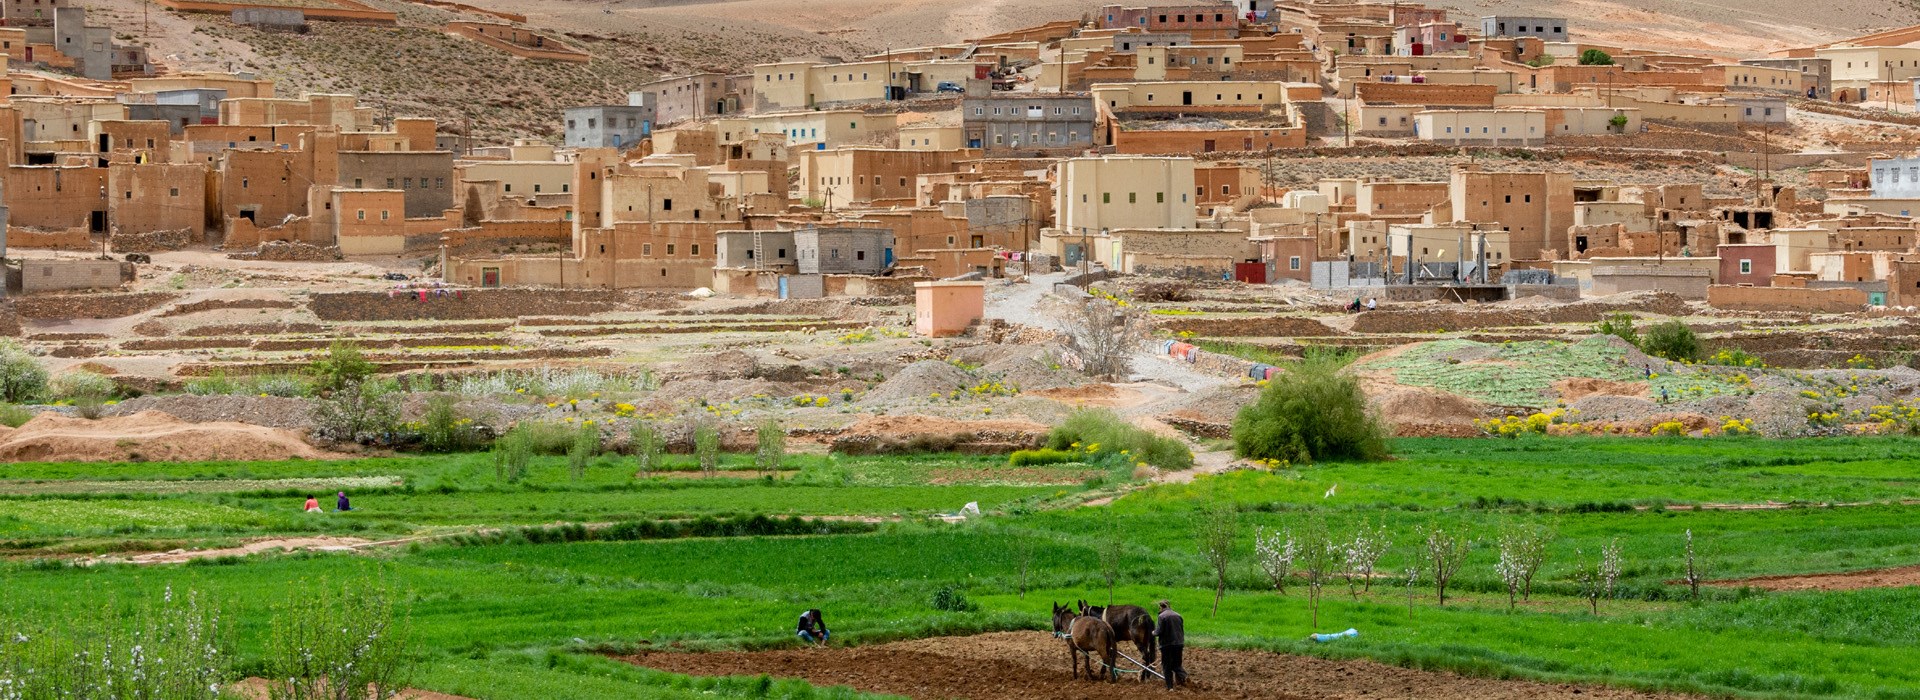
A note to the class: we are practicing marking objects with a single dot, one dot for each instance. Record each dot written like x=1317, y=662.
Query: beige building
x=1482, y=127
x=1132, y=192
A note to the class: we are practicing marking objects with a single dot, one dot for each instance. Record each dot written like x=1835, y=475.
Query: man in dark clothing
x=343, y=505
x=813, y=627
x=1172, y=633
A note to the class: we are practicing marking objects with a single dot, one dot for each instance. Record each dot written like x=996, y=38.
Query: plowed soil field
x=1034, y=665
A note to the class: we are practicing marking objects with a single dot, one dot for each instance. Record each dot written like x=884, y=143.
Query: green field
x=507, y=616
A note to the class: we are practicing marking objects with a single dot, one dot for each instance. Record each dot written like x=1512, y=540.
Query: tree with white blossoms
x=176, y=650
x=1369, y=543
x=345, y=642
x=1446, y=551
x=1597, y=581
x=1696, y=571
x=1523, y=550
x=1276, y=552
x=1318, y=555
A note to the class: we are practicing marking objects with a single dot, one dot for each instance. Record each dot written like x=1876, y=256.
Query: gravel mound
x=266, y=411
x=918, y=381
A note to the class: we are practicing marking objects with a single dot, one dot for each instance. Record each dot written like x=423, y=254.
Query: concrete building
x=63, y=274
x=425, y=176
x=1895, y=178
x=945, y=309
x=1128, y=42
x=1542, y=28
x=755, y=250
x=843, y=251
x=1133, y=192
x=32, y=13
x=1482, y=127
x=685, y=97
x=608, y=126
x=1032, y=123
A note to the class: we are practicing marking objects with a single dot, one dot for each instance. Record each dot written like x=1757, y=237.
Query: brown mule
x=1130, y=623
x=1085, y=637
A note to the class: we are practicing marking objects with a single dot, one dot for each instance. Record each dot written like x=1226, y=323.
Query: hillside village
x=1284, y=164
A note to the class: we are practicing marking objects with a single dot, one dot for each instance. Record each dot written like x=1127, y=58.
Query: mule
x=1130, y=623
x=1086, y=636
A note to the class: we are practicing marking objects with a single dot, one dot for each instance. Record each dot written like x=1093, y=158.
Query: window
x=1746, y=267
x=1105, y=197
x=1132, y=198
x=389, y=183
x=859, y=255
x=667, y=205
x=1159, y=198
x=669, y=248
x=385, y=214
x=835, y=254
x=695, y=249
x=1293, y=263
x=646, y=249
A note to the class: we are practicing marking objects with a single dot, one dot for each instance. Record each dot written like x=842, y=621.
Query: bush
x=1595, y=57
x=1673, y=340
x=358, y=412
x=1100, y=436
x=22, y=379
x=951, y=599
x=1734, y=357
x=770, y=446
x=546, y=437
x=1619, y=325
x=585, y=446
x=344, y=364
x=647, y=447
x=81, y=385
x=1312, y=412
x=14, y=416
x=706, y=448
x=513, y=455
x=1040, y=457
x=360, y=640
x=442, y=429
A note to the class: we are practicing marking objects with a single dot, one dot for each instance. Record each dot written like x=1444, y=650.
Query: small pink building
x=942, y=309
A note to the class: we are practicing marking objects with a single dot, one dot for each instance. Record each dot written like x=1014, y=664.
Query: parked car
x=950, y=86
x=396, y=276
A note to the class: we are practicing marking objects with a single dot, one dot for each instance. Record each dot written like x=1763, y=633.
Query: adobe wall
x=68, y=239
x=1245, y=326
x=1154, y=141
x=338, y=10
x=467, y=304
x=1835, y=301
x=1428, y=94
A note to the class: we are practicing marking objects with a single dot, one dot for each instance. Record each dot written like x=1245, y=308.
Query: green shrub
x=1734, y=357
x=344, y=364
x=1103, y=437
x=442, y=429
x=22, y=378
x=81, y=385
x=1673, y=340
x=647, y=447
x=14, y=416
x=1595, y=57
x=585, y=446
x=1619, y=325
x=546, y=437
x=1035, y=458
x=951, y=598
x=513, y=454
x=1312, y=412
x=770, y=446
x=706, y=447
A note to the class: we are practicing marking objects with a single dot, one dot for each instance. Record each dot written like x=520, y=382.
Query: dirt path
x=1211, y=462
x=1033, y=665
x=1898, y=577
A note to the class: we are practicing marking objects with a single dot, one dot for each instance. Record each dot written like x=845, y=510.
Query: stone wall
x=1245, y=326
x=463, y=304
x=111, y=305
x=150, y=241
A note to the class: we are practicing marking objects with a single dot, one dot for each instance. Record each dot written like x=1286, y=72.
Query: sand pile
x=147, y=436
x=269, y=411
x=1413, y=412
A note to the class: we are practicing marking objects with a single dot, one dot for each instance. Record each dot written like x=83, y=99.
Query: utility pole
x=1086, y=254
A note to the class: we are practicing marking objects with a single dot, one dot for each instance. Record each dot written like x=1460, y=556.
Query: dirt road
x=1034, y=665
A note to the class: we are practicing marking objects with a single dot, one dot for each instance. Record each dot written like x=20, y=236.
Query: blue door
x=783, y=288
x=889, y=257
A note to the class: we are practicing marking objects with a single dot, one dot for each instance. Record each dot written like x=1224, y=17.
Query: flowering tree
x=1523, y=550
x=1276, y=552
x=1369, y=544
x=1597, y=581
x=1446, y=551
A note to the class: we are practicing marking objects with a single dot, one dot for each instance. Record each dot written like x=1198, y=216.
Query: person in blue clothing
x=813, y=627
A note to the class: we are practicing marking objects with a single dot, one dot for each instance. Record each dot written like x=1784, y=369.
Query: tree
x=647, y=447
x=1619, y=325
x=1369, y=543
x=1595, y=57
x=706, y=448
x=357, y=649
x=770, y=446
x=1696, y=571
x=1597, y=581
x=1219, y=526
x=1318, y=556
x=343, y=364
x=1311, y=412
x=1673, y=340
x=1103, y=334
x=358, y=412
x=1112, y=551
x=1523, y=550
x=1445, y=553
x=1277, y=553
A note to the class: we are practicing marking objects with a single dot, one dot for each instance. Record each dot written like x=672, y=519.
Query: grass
x=509, y=619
